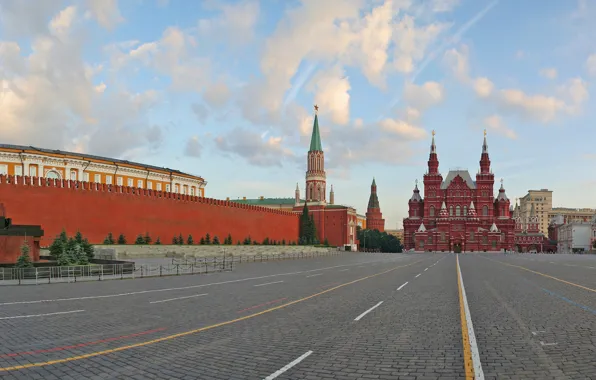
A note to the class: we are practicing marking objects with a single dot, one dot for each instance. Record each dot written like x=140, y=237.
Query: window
x=149, y=185
x=109, y=179
x=168, y=187
x=97, y=178
x=52, y=174
x=140, y=183
x=442, y=236
x=192, y=191
x=4, y=169
x=431, y=211
x=184, y=189
x=465, y=210
x=177, y=189
x=86, y=177
x=430, y=240
x=158, y=187
x=450, y=210
x=33, y=171
x=129, y=182
x=457, y=211
x=485, y=210
x=119, y=181
x=73, y=175
x=18, y=170
x=494, y=244
x=471, y=235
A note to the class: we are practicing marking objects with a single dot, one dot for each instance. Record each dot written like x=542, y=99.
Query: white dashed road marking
x=418, y=275
x=179, y=298
x=269, y=283
x=43, y=315
x=288, y=366
x=368, y=311
x=401, y=287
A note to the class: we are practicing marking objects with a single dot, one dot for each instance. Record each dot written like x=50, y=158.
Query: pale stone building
x=574, y=237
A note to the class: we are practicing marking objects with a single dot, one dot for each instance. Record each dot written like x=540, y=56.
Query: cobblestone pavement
x=369, y=316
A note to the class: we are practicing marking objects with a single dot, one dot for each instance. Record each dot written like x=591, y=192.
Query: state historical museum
x=457, y=213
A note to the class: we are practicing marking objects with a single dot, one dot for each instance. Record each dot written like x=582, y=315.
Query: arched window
x=52, y=174
x=450, y=210
x=485, y=210
x=465, y=210
x=457, y=211
x=431, y=211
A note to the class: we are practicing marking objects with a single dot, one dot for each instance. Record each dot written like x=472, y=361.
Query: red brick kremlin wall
x=97, y=209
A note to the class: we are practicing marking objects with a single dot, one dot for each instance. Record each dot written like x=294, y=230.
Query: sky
x=226, y=89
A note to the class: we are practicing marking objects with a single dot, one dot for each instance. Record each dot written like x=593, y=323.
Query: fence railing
x=49, y=275
x=239, y=259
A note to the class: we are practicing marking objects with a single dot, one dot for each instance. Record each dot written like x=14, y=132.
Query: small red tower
x=374, y=218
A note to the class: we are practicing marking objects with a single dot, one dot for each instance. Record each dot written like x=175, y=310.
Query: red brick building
x=374, y=218
x=12, y=238
x=528, y=237
x=458, y=214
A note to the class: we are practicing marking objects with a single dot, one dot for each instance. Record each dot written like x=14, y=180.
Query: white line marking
x=185, y=287
x=418, y=275
x=287, y=366
x=269, y=283
x=43, y=315
x=537, y=332
x=314, y=275
x=368, y=311
x=179, y=298
x=400, y=288
x=343, y=270
x=478, y=373
x=425, y=269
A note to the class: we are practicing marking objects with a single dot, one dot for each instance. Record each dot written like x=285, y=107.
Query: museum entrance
x=457, y=247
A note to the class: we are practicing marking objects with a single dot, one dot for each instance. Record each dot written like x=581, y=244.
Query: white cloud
x=106, y=12
x=255, y=150
x=217, y=94
x=591, y=64
x=61, y=24
x=549, y=73
x=331, y=89
x=483, y=87
x=403, y=129
x=495, y=123
x=236, y=22
x=423, y=96
x=193, y=147
x=457, y=61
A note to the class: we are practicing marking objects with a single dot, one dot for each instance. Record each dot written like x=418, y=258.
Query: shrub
x=24, y=260
x=121, y=239
x=215, y=240
x=157, y=241
x=266, y=241
x=230, y=241
x=190, y=240
x=207, y=239
x=180, y=239
x=247, y=241
x=109, y=240
x=283, y=242
x=140, y=240
x=202, y=241
x=175, y=240
x=72, y=251
x=147, y=238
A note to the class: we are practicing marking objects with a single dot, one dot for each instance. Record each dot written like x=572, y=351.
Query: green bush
x=24, y=260
x=121, y=239
x=140, y=240
x=109, y=240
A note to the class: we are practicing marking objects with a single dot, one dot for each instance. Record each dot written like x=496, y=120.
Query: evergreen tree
x=230, y=241
x=157, y=241
x=121, y=239
x=24, y=260
x=304, y=226
x=202, y=241
x=247, y=241
x=266, y=241
x=180, y=239
x=85, y=245
x=326, y=242
x=312, y=231
x=216, y=240
x=175, y=240
x=190, y=240
x=140, y=240
x=109, y=240
x=238, y=242
x=283, y=242
x=207, y=239
x=147, y=238
x=58, y=245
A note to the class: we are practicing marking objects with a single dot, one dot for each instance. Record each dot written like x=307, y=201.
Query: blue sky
x=226, y=90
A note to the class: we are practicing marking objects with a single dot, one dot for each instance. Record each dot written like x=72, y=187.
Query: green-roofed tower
x=316, y=179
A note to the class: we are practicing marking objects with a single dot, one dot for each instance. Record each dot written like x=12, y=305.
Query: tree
x=157, y=241
x=266, y=241
x=304, y=226
x=140, y=240
x=207, y=239
x=175, y=240
x=85, y=245
x=109, y=240
x=58, y=245
x=381, y=241
x=326, y=242
x=229, y=240
x=216, y=240
x=121, y=239
x=147, y=238
x=283, y=242
x=180, y=239
x=238, y=242
x=247, y=240
x=24, y=260
x=312, y=227
x=202, y=241
x=190, y=240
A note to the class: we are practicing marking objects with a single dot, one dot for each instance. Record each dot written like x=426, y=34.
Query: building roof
x=315, y=140
x=93, y=157
x=463, y=174
x=267, y=201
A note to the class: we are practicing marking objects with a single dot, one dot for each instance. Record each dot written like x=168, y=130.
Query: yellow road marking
x=543, y=274
x=190, y=332
x=468, y=364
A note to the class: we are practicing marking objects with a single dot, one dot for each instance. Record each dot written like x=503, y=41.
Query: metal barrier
x=49, y=275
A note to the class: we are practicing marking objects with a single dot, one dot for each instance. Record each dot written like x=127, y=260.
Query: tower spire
x=484, y=159
x=315, y=139
x=484, y=144
x=433, y=160
x=374, y=218
x=433, y=147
